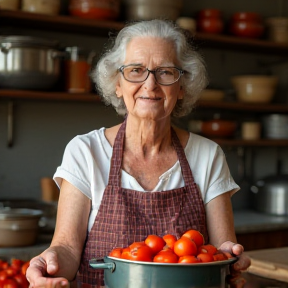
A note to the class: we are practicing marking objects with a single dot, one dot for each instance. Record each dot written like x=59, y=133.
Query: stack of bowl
x=275, y=126
x=278, y=29
x=255, y=88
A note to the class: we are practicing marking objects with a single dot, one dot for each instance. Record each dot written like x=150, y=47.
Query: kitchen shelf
x=70, y=24
x=252, y=143
x=246, y=107
x=53, y=96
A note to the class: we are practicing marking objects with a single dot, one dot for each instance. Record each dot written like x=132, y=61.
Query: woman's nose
x=150, y=82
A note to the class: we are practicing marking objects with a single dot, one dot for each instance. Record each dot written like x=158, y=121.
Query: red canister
x=247, y=24
x=95, y=9
x=210, y=21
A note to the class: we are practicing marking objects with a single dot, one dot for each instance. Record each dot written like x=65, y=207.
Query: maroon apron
x=126, y=216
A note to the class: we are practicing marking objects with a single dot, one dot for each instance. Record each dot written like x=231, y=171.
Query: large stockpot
x=271, y=194
x=29, y=63
x=121, y=273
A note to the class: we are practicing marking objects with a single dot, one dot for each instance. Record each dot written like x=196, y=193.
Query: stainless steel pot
x=120, y=273
x=29, y=63
x=19, y=227
x=271, y=194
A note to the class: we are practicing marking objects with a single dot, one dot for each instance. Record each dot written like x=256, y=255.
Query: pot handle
x=102, y=265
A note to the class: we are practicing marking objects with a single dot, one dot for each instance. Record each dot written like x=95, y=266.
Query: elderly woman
x=144, y=176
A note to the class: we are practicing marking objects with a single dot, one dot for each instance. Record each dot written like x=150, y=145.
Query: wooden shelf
x=240, y=106
x=70, y=24
x=252, y=143
x=53, y=96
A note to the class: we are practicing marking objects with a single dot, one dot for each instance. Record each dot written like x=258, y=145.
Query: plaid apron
x=126, y=216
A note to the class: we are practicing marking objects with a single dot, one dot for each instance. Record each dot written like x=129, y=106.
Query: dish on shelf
x=255, y=88
x=212, y=95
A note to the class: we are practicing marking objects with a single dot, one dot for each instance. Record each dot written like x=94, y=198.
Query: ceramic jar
x=210, y=21
x=247, y=24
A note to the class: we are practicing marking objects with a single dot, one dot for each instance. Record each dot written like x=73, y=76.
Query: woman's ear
x=119, y=93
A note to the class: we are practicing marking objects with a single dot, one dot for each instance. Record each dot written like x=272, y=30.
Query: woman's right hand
x=43, y=269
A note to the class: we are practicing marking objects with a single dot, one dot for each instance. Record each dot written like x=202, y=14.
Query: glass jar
x=77, y=67
x=9, y=4
x=50, y=7
x=95, y=9
x=210, y=21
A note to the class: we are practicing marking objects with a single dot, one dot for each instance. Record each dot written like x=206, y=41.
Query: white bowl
x=255, y=88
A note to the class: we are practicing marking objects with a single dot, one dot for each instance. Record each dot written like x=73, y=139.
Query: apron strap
x=116, y=159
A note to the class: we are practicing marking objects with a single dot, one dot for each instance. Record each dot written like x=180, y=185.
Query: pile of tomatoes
x=12, y=275
x=189, y=248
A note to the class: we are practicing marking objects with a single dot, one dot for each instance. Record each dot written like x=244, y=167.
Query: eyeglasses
x=163, y=75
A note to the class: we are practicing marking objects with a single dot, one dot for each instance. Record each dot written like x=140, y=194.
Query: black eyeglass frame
x=181, y=72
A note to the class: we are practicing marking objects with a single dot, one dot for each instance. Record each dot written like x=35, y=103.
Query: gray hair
x=193, y=81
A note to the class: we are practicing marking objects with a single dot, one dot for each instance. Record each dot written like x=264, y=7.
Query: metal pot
x=19, y=227
x=29, y=63
x=120, y=273
x=271, y=194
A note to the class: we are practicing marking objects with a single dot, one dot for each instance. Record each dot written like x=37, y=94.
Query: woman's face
x=149, y=99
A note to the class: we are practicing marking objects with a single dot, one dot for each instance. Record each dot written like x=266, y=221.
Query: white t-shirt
x=86, y=165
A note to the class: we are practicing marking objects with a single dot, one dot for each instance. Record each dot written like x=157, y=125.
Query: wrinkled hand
x=235, y=278
x=41, y=270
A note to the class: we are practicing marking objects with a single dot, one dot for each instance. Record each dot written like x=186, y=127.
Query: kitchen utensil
x=218, y=128
x=271, y=193
x=95, y=9
x=278, y=29
x=19, y=227
x=250, y=130
x=50, y=7
x=120, y=273
x=275, y=126
x=29, y=63
x=10, y=4
x=247, y=24
x=255, y=88
x=150, y=9
x=187, y=23
x=50, y=191
x=210, y=21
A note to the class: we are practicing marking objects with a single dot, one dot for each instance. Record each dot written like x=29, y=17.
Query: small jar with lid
x=77, y=68
x=247, y=24
x=50, y=7
x=210, y=21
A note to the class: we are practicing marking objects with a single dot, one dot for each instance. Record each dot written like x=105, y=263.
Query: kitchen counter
x=246, y=221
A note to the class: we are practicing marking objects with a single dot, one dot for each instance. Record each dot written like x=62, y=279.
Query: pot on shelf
x=29, y=63
x=19, y=227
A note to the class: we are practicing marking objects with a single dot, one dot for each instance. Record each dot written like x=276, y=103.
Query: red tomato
x=194, y=235
x=24, y=267
x=116, y=252
x=16, y=264
x=137, y=244
x=184, y=246
x=21, y=280
x=11, y=271
x=142, y=253
x=219, y=256
x=156, y=243
x=126, y=253
x=10, y=283
x=3, y=265
x=208, y=248
x=188, y=259
x=169, y=240
x=3, y=275
x=165, y=256
x=205, y=257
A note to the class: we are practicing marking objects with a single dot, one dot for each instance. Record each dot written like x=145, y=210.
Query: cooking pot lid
x=28, y=41
x=8, y=213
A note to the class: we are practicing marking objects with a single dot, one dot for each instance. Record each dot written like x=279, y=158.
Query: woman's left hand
x=235, y=278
